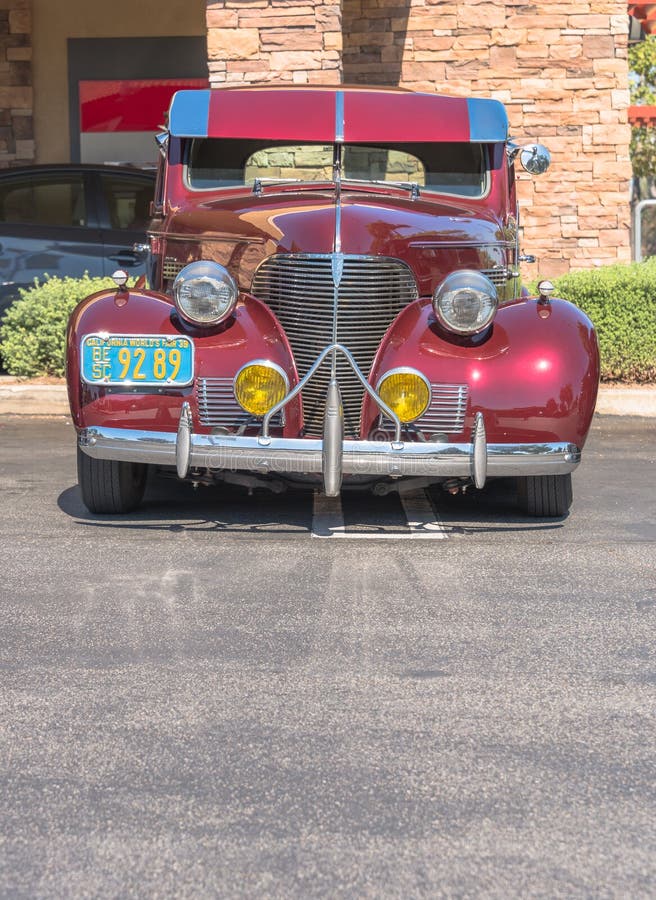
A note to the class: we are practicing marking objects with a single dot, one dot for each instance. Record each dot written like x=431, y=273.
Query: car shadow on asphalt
x=172, y=506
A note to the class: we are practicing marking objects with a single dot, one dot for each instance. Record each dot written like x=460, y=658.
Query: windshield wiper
x=411, y=186
x=260, y=183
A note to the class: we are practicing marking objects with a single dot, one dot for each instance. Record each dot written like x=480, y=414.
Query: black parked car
x=71, y=219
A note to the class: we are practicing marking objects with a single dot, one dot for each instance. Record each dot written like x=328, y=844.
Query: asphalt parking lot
x=247, y=696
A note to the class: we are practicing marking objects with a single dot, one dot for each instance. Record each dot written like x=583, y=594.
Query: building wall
x=274, y=40
x=16, y=95
x=560, y=68
x=57, y=20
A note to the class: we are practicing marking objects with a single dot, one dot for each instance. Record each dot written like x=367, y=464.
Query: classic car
x=335, y=297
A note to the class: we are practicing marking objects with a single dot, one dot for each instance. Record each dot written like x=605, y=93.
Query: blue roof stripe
x=189, y=114
x=488, y=121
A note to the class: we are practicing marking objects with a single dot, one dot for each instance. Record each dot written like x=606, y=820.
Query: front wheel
x=545, y=495
x=110, y=486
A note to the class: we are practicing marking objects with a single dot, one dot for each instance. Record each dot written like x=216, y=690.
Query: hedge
x=621, y=302
x=33, y=330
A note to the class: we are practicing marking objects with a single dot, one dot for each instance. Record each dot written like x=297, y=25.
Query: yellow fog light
x=406, y=392
x=259, y=386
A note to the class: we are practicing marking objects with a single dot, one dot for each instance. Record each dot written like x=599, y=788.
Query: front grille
x=446, y=412
x=447, y=409
x=217, y=405
x=499, y=276
x=171, y=267
x=299, y=290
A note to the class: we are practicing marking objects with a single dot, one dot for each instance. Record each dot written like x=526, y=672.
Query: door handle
x=126, y=258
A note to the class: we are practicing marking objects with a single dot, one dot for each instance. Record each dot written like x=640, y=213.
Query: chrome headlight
x=465, y=302
x=205, y=293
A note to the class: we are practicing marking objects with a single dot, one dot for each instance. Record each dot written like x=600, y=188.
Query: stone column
x=295, y=41
x=562, y=71
x=16, y=122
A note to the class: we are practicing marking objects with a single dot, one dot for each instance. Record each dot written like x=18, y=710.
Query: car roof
x=336, y=114
x=79, y=167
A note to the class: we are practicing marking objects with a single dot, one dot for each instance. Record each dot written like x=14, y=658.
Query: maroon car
x=335, y=296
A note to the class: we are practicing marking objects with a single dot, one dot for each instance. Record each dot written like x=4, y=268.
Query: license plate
x=137, y=359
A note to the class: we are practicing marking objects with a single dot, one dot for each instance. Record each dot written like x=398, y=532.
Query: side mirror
x=535, y=158
x=162, y=141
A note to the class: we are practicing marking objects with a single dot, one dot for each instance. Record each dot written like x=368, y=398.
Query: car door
x=124, y=200
x=48, y=225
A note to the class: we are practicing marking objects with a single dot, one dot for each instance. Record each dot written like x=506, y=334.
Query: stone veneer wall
x=296, y=41
x=561, y=70
x=16, y=116
x=560, y=67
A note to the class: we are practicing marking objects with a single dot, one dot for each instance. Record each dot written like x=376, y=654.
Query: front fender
x=252, y=332
x=534, y=376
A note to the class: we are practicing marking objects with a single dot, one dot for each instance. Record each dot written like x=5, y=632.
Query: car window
x=44, y=199
x=128, y=201
x=382, y=164
x=449, y=168
x=307, y=162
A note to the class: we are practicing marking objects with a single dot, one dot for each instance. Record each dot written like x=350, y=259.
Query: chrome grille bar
x=217, y=405
x=447, y=409
x=498, y=276
x=446, y=413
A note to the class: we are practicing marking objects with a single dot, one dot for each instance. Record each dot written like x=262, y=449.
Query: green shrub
x=33, y=330
x=621, y=302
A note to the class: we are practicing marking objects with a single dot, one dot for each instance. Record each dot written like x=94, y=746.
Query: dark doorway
x=129, y=59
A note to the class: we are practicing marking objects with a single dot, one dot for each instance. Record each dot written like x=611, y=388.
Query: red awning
x=642, y=115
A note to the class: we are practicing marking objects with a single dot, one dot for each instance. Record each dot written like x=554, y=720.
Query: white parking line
x=328, y=520
x=421, y=517
x=327, y=517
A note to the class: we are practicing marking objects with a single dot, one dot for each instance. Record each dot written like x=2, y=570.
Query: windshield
x=458, y=169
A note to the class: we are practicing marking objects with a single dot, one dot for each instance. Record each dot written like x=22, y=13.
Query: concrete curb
x=25, y=398
x=629, y=401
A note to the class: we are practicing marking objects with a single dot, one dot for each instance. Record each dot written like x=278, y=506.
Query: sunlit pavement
x=263, y=695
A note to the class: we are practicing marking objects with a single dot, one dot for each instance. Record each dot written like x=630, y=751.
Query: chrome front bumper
x=289, y=456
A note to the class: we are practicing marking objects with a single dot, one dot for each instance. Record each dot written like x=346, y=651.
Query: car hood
x=433, y=237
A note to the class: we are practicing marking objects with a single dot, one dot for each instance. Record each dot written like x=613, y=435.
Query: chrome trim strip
x=481, y=245
x=390, y=260
x=216, y=236
x=298, y=455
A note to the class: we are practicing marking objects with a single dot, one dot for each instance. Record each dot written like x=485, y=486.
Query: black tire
x=109, y=486
x=545, y=495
